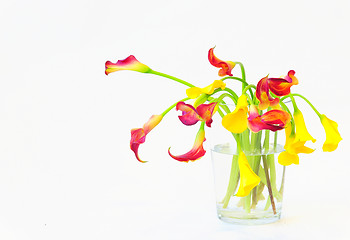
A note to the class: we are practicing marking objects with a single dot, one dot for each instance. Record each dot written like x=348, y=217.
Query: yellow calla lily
x=237, y=121
x=293, y=147
x=332, y=134
x=300, y=126
x=194, y=92
x=248, y=179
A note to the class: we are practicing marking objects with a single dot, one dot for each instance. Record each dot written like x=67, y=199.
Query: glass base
x=244, y=218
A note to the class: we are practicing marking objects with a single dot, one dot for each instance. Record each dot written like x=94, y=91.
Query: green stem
x=235, y=78
x=171, y=77
x=172, y=106
x=248, y=87
x=242, y=70
x=268, y=183
x=233, y=182
x=305, y=99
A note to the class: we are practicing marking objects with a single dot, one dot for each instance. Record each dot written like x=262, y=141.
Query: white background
x=66, y=170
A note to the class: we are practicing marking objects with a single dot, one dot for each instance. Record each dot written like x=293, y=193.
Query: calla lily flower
x=263, y=94
x=278, y=86
x=129, y=63
x=194, y=92
x=226, y=67
x=138, y=135
x=191, y=115
x=197, y=150
x=237, y=121
x=281, y=86
x=272, y=120
x=293, y=147
x=300, y=126
x=332, y=135
x=248, y=179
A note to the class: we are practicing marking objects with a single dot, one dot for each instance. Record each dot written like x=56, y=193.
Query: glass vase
x=264, y=202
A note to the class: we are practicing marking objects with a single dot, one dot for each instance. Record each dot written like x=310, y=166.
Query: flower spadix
x=226, y=66
x=248, y=179
x=236, y=121
x=197, y=150
x=129, y=63
x=138, y=135
x=332, y=134
x=194, y=92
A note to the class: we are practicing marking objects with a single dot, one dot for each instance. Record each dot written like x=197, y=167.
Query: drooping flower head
x=281, y=86
x=278, y=86
x=332, y=134
x=129, y=63
x=263, y=94
x=293, y=147
x=236, y=121
x=138, y=135
x=191, y=115
x=197, y=150
x=194, y=92
x=300, y=126
x=272, y=120
x=248, y=179
x=226, y=66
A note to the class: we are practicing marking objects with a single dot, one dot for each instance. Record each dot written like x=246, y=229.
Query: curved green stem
x=172, y=106
x=294, y=103
x=171, y=77
x=242, y=70
x=222, y=96
x=306, y=100
x=235, y=78
x=248, y=87
x=229, y=91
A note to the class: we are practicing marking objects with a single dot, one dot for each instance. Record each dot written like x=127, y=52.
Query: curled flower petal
x=332, y=134
x=285, y=158
x=197, y=150
x=301, y=130
x=206, y=111
x=272, y=120
x=191, y=115
x=276, y=117
x=263, y=94
x=129, y=63
x=226, y=66
x=248, y=179
x=236, y=121
x=281, y=86
x=293, y=147
x=194, y=92
x=138, y=135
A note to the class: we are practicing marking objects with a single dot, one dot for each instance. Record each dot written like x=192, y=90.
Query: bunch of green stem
x=249, y=142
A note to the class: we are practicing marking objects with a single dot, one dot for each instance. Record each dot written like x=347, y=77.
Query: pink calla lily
x=197, y=150
x=272, y=120
x=191, y=115
x=226, y=66
x=138, y=135
x=278, y=86
x=129, y=63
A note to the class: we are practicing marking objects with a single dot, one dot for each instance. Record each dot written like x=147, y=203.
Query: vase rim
x=228, y=148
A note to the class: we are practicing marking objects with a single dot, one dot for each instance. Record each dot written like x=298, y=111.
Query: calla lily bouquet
x=257, y=108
